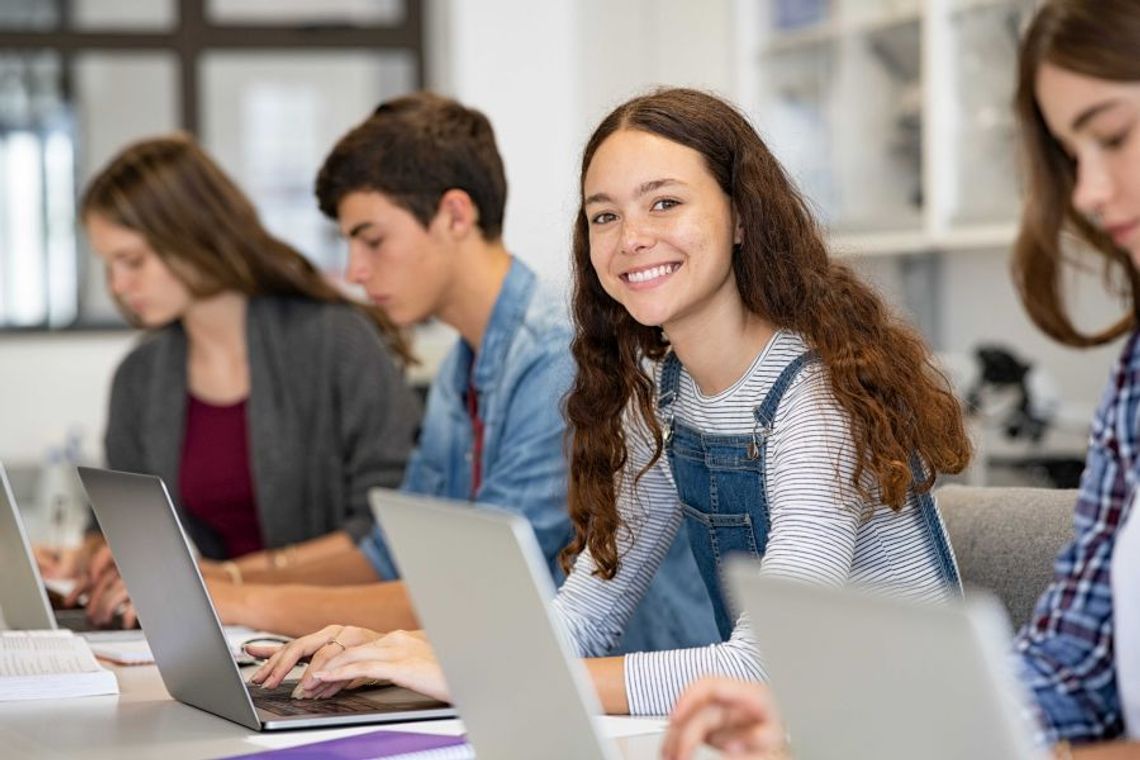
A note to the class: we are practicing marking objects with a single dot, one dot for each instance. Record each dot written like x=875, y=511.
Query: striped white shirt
x=820, y=530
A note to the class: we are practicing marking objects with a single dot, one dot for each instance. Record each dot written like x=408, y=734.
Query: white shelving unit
x=894, y=116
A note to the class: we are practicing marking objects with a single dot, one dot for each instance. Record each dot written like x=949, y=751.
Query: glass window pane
x=795, y=120
x=148, y=15
x=877, y=128
x=288, y=12
x=59, y=206
x=24, y=296
x=271, y=118
x=985, y=62
x=120, y=97
x=30, y=89
x=28, y=15
x=36, y=193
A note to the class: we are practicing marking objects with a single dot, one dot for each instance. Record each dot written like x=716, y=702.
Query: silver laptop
x=858, y=674
x=483, y=592
x=23, y=599
x=24, y=603
x=189, y=647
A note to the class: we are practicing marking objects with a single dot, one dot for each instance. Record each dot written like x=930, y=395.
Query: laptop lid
x=23, y=601
x=189, y=647
x=858, y=674
x=483, y=593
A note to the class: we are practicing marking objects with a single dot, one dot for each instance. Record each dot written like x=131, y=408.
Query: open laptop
x=858, y=674
x=193, y=657
x=483, y=593
x=24, y=602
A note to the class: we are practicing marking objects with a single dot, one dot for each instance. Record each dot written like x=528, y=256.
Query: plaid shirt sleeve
x=1065, y=652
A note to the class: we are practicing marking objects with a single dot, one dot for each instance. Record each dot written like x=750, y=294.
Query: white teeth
x=651, y=274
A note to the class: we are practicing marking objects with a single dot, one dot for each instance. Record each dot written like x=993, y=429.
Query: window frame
x=192, y=36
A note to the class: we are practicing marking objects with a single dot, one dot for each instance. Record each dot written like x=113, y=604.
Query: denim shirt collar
x=506, y=318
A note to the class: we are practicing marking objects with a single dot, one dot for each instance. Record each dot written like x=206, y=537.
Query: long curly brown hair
x=1097, y=38
x=880, y=370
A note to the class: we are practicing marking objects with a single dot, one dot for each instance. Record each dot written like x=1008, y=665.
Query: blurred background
x=893, y=116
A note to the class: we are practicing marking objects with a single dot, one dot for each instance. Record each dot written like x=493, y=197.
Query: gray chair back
x=1005, y=539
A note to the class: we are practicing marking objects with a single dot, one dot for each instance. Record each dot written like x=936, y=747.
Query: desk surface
x=144, y=722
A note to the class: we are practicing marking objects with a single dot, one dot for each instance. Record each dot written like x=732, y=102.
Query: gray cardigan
x=329, y=416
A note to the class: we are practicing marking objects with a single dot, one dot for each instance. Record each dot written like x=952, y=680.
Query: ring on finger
x=343, y=648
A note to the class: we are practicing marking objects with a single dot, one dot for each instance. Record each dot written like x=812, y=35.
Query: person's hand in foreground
x=68, y=562
x=105, y=590
x=60, y=562
x=347, y=657
x=107, y=599
x=737, y=717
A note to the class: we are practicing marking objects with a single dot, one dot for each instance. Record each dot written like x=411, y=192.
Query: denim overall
x=720, y=481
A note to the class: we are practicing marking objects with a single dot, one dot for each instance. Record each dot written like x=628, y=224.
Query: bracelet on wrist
x=232, y=571
x=279, y=559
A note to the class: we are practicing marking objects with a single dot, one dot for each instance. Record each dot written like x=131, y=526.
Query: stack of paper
x=50, y=665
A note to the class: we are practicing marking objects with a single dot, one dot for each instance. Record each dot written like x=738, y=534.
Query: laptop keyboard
x=279, y=701
x=75, y=619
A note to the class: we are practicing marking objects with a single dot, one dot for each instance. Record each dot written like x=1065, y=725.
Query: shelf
x=969, y=6
x=834, y=29
x=796, y=39
x=854, y=103
x=980, y=236
x=879, y=243
x=966, y=238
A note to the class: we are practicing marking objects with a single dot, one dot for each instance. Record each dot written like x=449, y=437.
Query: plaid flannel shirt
x=1066, y=649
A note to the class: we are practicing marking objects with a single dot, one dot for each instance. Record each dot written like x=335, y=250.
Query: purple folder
x=364, y=746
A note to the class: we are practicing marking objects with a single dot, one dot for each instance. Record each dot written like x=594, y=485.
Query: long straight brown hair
x=1096, y=38
x=206, y=230
x=880, y=370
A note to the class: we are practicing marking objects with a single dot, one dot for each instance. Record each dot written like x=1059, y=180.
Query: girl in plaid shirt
x=1078, y=104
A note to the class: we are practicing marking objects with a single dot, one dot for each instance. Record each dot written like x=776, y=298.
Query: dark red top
x=215, y=480
x=477, y=437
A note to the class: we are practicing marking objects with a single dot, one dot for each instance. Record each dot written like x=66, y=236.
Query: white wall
x=980, y=305
x=513, y=60
x=50, y=385
x=546, y=73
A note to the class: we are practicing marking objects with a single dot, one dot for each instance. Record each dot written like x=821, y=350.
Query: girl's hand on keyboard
x=317, y=647
x=403, y=657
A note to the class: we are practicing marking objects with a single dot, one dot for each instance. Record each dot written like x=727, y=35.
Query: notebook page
x=33, y=653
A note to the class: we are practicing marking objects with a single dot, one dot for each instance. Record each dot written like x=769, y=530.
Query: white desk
x=144, y=722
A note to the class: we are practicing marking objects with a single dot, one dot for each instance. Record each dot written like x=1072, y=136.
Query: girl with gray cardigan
x=267, y=401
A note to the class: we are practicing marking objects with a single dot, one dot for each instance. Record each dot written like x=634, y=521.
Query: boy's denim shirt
x=522, y=374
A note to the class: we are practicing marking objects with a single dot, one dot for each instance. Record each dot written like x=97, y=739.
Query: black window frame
x=193, y=36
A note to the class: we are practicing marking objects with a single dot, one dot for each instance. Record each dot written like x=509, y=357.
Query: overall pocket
x=719, y=534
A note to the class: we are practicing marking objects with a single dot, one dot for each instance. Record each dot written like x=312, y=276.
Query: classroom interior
x=895, y=122
x=893, y=116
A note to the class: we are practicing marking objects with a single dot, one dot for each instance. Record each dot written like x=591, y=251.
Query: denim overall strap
x=766, y=412
x=670, y=381
x=720, y=481
x=936, y=529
